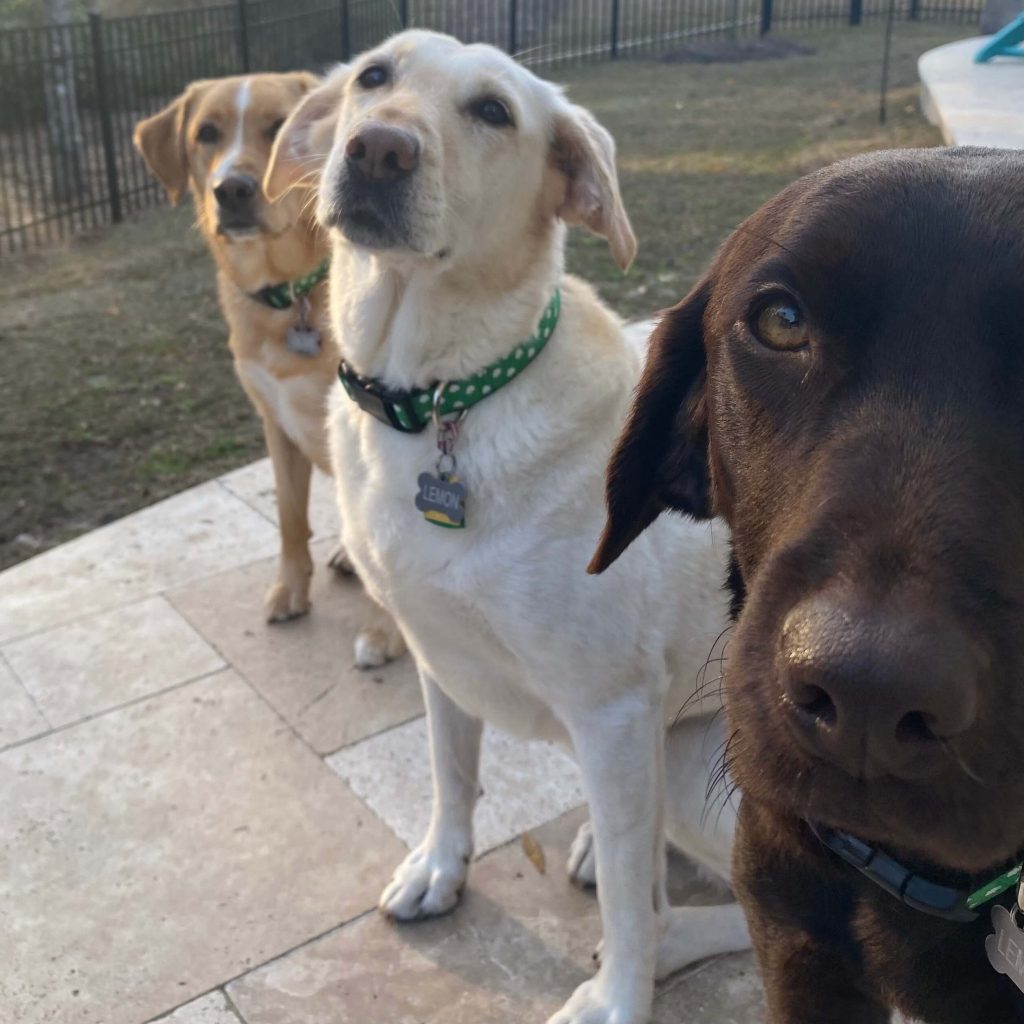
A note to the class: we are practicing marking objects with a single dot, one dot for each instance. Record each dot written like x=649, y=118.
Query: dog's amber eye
x=373, y=77
x=781, y=325
x=275, y=128
x=493, y=111
x=207, y=133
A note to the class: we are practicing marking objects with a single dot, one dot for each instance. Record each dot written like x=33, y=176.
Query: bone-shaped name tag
x=303, y=341
x=442, y=499
x=1005, y=948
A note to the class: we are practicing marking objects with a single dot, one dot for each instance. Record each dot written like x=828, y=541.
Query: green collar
x=996, y=887
x=283, y=296
x=411, y=411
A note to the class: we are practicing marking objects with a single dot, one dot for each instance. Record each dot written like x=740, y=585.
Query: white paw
x=376, y=647
x=429, y=881
x=582, y=865
x=340, y=562
x=598, y=1002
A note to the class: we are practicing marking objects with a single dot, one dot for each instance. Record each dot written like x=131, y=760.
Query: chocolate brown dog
x=846, y=388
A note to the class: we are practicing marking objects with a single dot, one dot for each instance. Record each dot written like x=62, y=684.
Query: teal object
x=1005, y=43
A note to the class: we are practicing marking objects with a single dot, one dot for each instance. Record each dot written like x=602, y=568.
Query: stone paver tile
x=208, y=1009
x=150, y=854
x=19, y=717
x=194, y=534
x=524, y=783
x=104, y=660
x=512, y=952
x=254, y=484
x=304, y=668
x=726, y=990
x=973, y=104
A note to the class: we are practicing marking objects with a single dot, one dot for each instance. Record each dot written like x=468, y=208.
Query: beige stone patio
x=200, y=810
x=973, y=104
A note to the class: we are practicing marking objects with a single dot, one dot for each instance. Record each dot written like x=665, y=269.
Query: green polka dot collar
x=411, y=411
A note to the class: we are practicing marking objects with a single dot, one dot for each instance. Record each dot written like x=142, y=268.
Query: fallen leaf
x=535, y=852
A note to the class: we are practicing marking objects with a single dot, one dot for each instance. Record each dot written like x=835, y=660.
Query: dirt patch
x=725, y=51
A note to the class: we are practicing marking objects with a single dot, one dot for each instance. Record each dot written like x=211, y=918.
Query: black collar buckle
x=273, y=295
x=393, y=408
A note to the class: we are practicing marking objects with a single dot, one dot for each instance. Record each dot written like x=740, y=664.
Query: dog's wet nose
x=879, y=693
x=236, y=193
x=382, y=152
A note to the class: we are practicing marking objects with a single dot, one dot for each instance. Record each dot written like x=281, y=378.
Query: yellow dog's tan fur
x=287, y=389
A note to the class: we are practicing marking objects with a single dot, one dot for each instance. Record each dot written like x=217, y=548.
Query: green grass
x=116, y=383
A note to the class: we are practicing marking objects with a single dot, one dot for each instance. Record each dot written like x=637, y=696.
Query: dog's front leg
x=620, y=748
x=289, y=596
x=429, y=881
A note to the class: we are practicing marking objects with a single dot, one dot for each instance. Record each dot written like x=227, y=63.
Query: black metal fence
x=71, y=94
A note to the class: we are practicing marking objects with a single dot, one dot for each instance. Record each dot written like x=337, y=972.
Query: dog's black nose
x=235, y=193
x=382, y=152
x=877, y=691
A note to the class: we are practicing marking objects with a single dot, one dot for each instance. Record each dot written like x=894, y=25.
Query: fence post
x=513, y=17
x=915, y=9
x=856, y=11
x=99, y=70
x=613, y=51
x=766, y=17
x=243, y=34
x=403, y=13
x=346, y=37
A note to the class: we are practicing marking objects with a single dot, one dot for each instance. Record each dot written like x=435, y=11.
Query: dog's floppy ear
x=304, y=141
x=585, y=153
x=160, y=140
x=661, y=458
x=306, y=79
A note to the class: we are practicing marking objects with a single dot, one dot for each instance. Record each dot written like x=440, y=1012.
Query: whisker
x=397, y=13
x=521, y=55
x=700, y=690
x=721, y=780
x=950, y=748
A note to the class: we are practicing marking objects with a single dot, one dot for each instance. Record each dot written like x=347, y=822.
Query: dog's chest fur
x=288, y=388
x=502, y=613
x=296, y=402
x=843, y=929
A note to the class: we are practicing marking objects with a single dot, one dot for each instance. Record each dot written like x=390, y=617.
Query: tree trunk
x=63, y=124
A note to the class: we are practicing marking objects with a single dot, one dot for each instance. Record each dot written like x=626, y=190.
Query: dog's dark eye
x=493, y=112
x=781, y=325
x=207, y=133
x=274, y=128
x=373, y=77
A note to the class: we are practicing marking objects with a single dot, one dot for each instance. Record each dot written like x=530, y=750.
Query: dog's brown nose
x=382, y=152
x=876, y=692
x=236, y=192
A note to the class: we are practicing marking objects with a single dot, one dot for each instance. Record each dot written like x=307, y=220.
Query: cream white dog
x=446, y=176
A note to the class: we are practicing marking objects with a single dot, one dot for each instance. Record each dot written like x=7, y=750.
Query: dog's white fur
x=503, y=620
